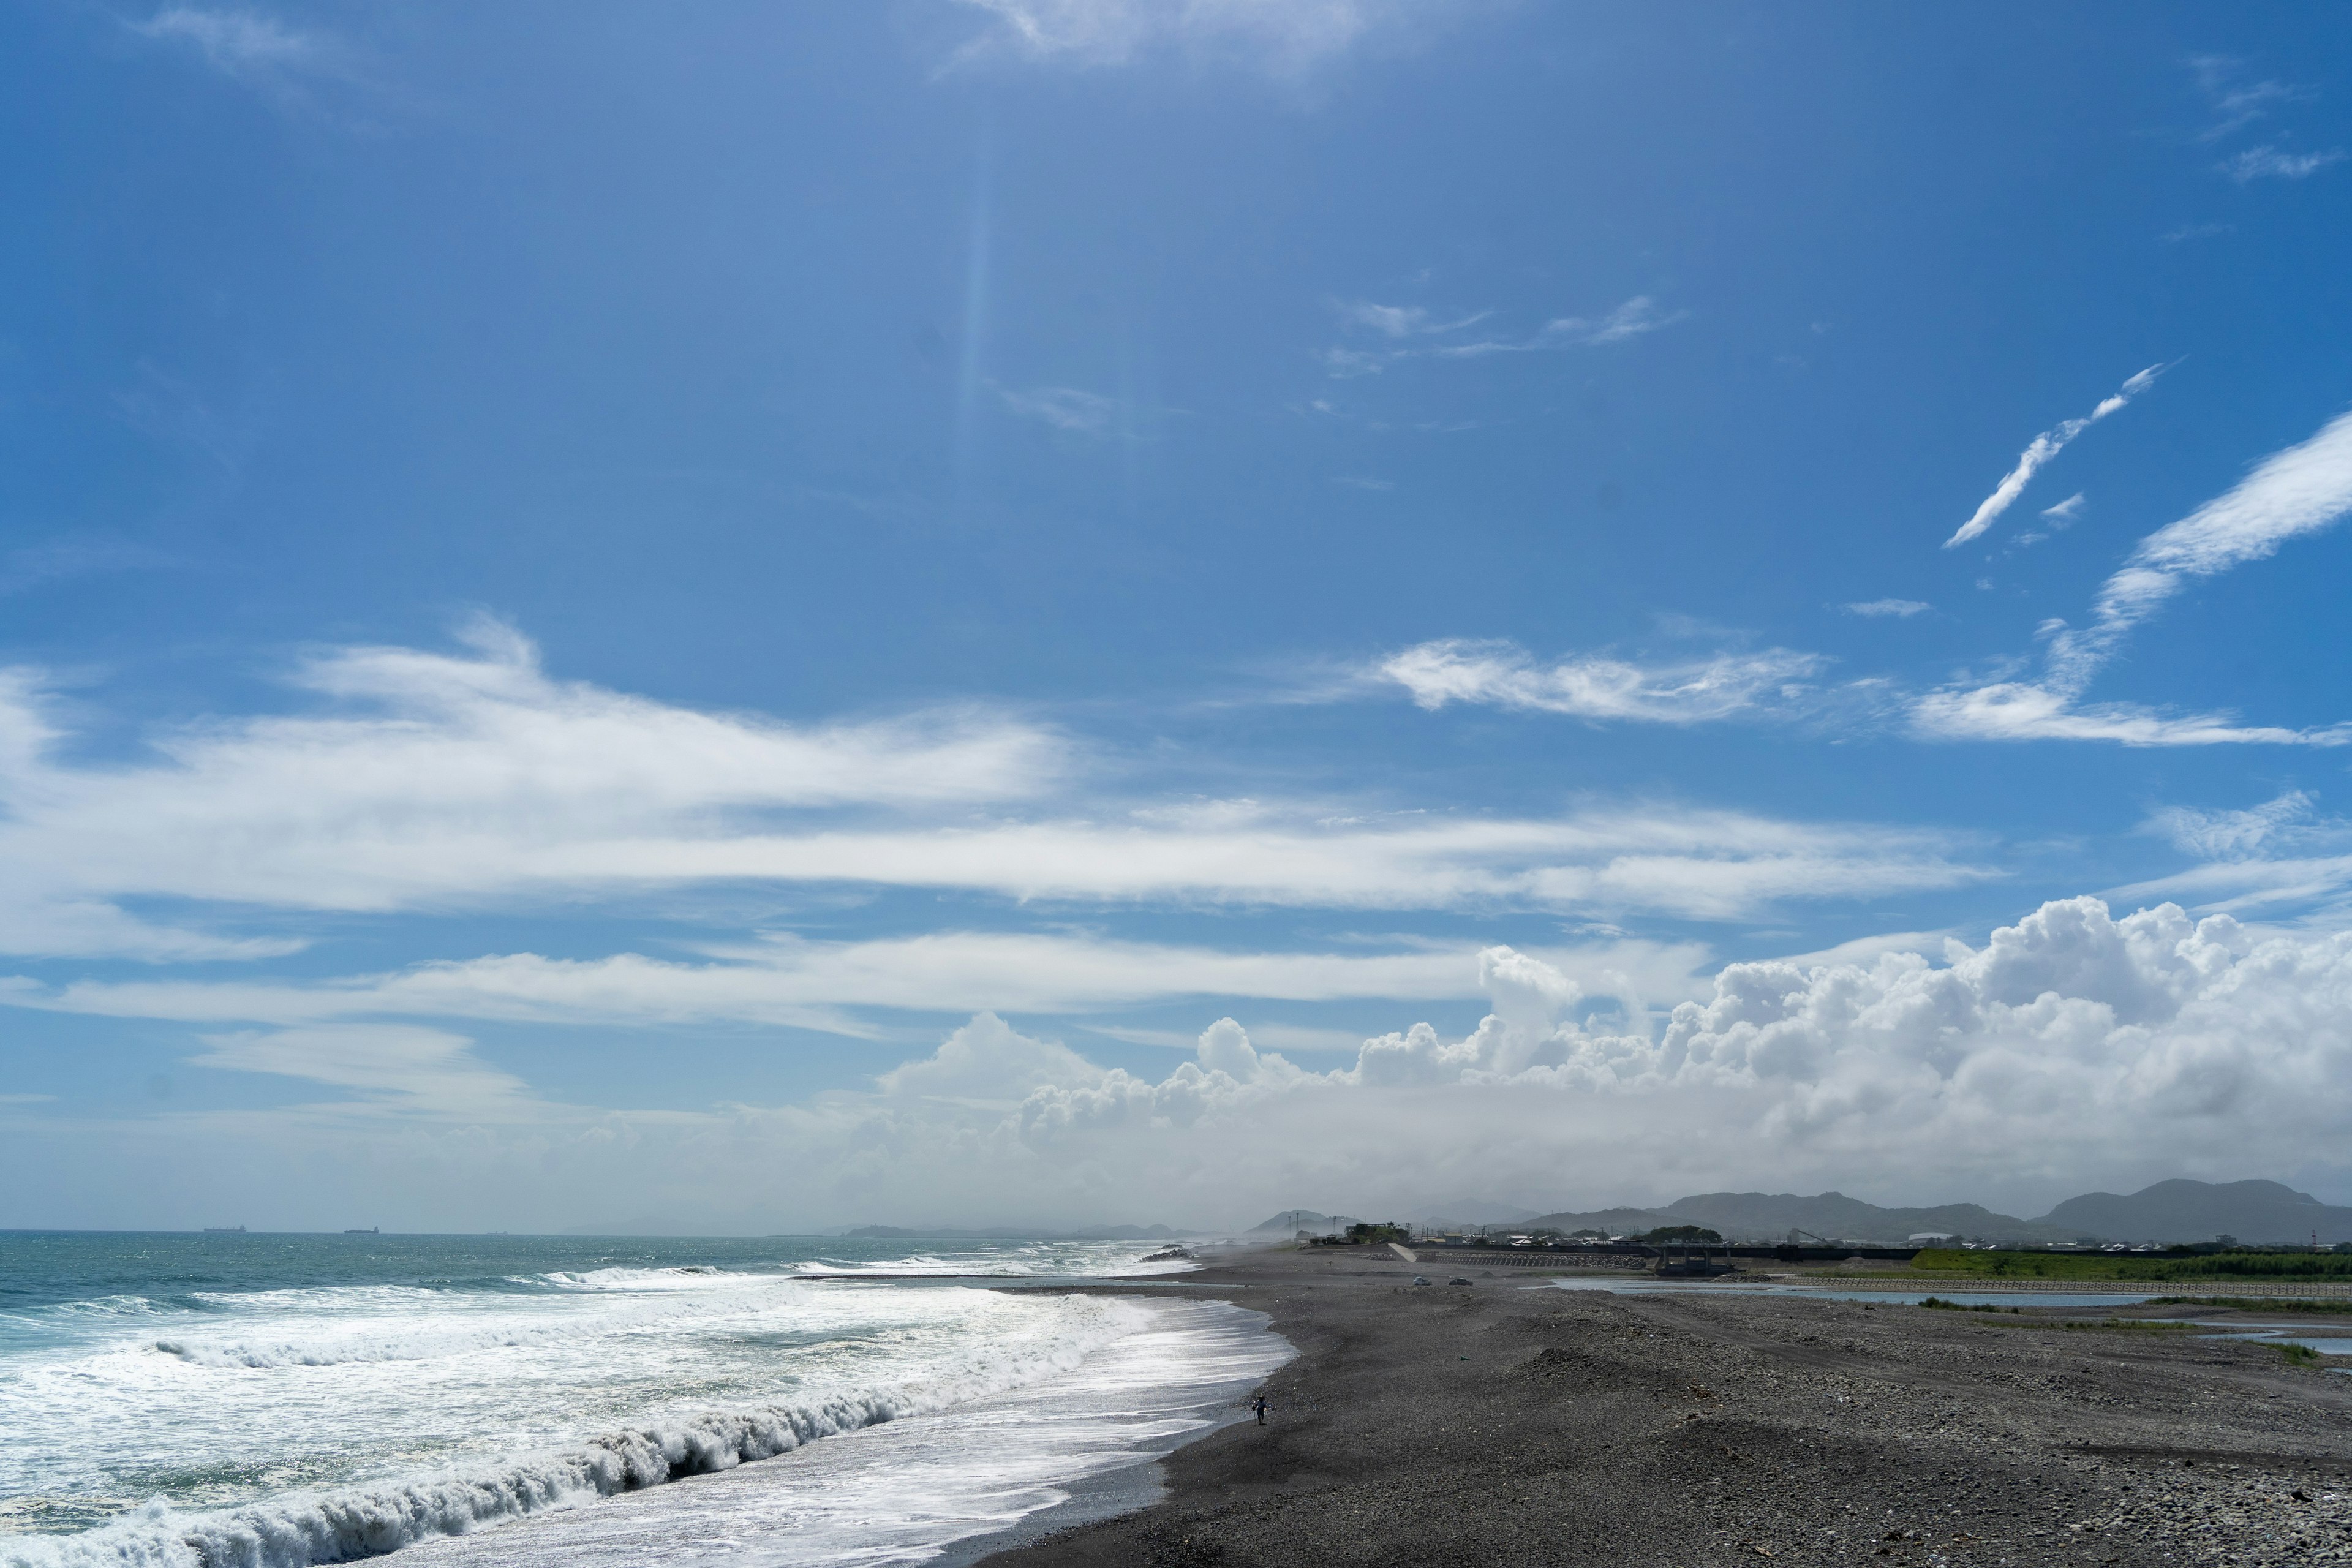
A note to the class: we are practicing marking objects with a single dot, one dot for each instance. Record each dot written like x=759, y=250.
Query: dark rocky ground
x=1499, y=1425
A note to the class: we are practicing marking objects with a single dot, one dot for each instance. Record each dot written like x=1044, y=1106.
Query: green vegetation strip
x=1953, y=1262
x=2256, y=1304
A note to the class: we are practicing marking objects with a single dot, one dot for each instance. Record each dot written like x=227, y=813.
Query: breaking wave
x=300, y=1530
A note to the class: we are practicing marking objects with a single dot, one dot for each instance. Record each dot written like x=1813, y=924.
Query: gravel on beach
x=1500, y=1424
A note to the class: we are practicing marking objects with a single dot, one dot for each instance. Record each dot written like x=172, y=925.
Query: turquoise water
x=273, y=1401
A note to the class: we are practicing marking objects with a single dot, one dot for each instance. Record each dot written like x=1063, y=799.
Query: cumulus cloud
x=2038, y=452
x=2151, y=1042
x=1595, y=687
x=2072, y=1049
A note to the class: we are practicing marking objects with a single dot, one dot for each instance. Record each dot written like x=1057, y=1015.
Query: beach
x=1513, y=1422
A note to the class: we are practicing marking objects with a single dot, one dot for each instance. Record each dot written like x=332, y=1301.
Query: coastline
x=1507, y=1422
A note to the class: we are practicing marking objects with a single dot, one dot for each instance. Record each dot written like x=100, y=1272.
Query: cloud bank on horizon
x=1092, y=610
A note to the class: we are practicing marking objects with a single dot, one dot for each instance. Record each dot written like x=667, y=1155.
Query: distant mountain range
x=1290, y=1222
x=2175, y=1211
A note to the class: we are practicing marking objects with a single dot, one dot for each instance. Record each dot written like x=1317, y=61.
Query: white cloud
x=241, y=43
x=2300, y=491
x=1063, y=408
x=2063, y=514
x=2071, y=1050
x=1402, y=324
x=988, y=1061
x=1279, y=36
x=1637, y=317
x=1404, y=320
x=791, y=980
x=2071, y=1039
x=421, y=781
x=1363, y=482
x=1343, y=364
x=1879, y=608
x=2236, y=835
x=396, y=1066
x=2277, y=164
x=2038, y=452
x=2023, y=710
x=1594, y=687
x=2236, y=101
x=2280, y=854
x=427, y=777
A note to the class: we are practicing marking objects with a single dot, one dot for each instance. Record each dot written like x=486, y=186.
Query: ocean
x=264, y=1401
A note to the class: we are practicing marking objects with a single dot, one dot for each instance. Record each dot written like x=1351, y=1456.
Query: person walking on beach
x=1261, y=1407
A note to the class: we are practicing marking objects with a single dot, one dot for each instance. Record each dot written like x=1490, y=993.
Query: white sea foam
x=330, y=1406
x=304, y=1528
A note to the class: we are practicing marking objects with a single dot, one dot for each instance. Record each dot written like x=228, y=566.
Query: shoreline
x=1511, y=1422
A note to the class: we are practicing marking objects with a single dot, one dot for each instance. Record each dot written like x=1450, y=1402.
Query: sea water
x=275, y=1401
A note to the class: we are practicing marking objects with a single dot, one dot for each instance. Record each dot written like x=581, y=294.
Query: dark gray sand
x=1499, y=1425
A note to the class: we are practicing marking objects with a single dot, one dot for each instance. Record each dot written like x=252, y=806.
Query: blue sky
x=595, y=597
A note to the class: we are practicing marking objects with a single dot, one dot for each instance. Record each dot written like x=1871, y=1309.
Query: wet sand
x=1494, y=1424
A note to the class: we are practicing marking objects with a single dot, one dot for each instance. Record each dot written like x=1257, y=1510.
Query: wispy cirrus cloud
x=2236, y=101
x=2299, y=490
x=2040, y=450
x=1063, y=408
x=1282, y=37
x=1404, y=320
x=424, y=782
x=2274, y=857
x=71, y=556
x=1598, y=686
x=241, y=43
x=2273, y=163
x=1637, y=317
x=838, y=987
x=1402, y=330
x=1881, y=609
x=2028, y=710
x=292, y=67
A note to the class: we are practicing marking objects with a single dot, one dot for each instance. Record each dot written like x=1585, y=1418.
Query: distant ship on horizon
x=357, y=1230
